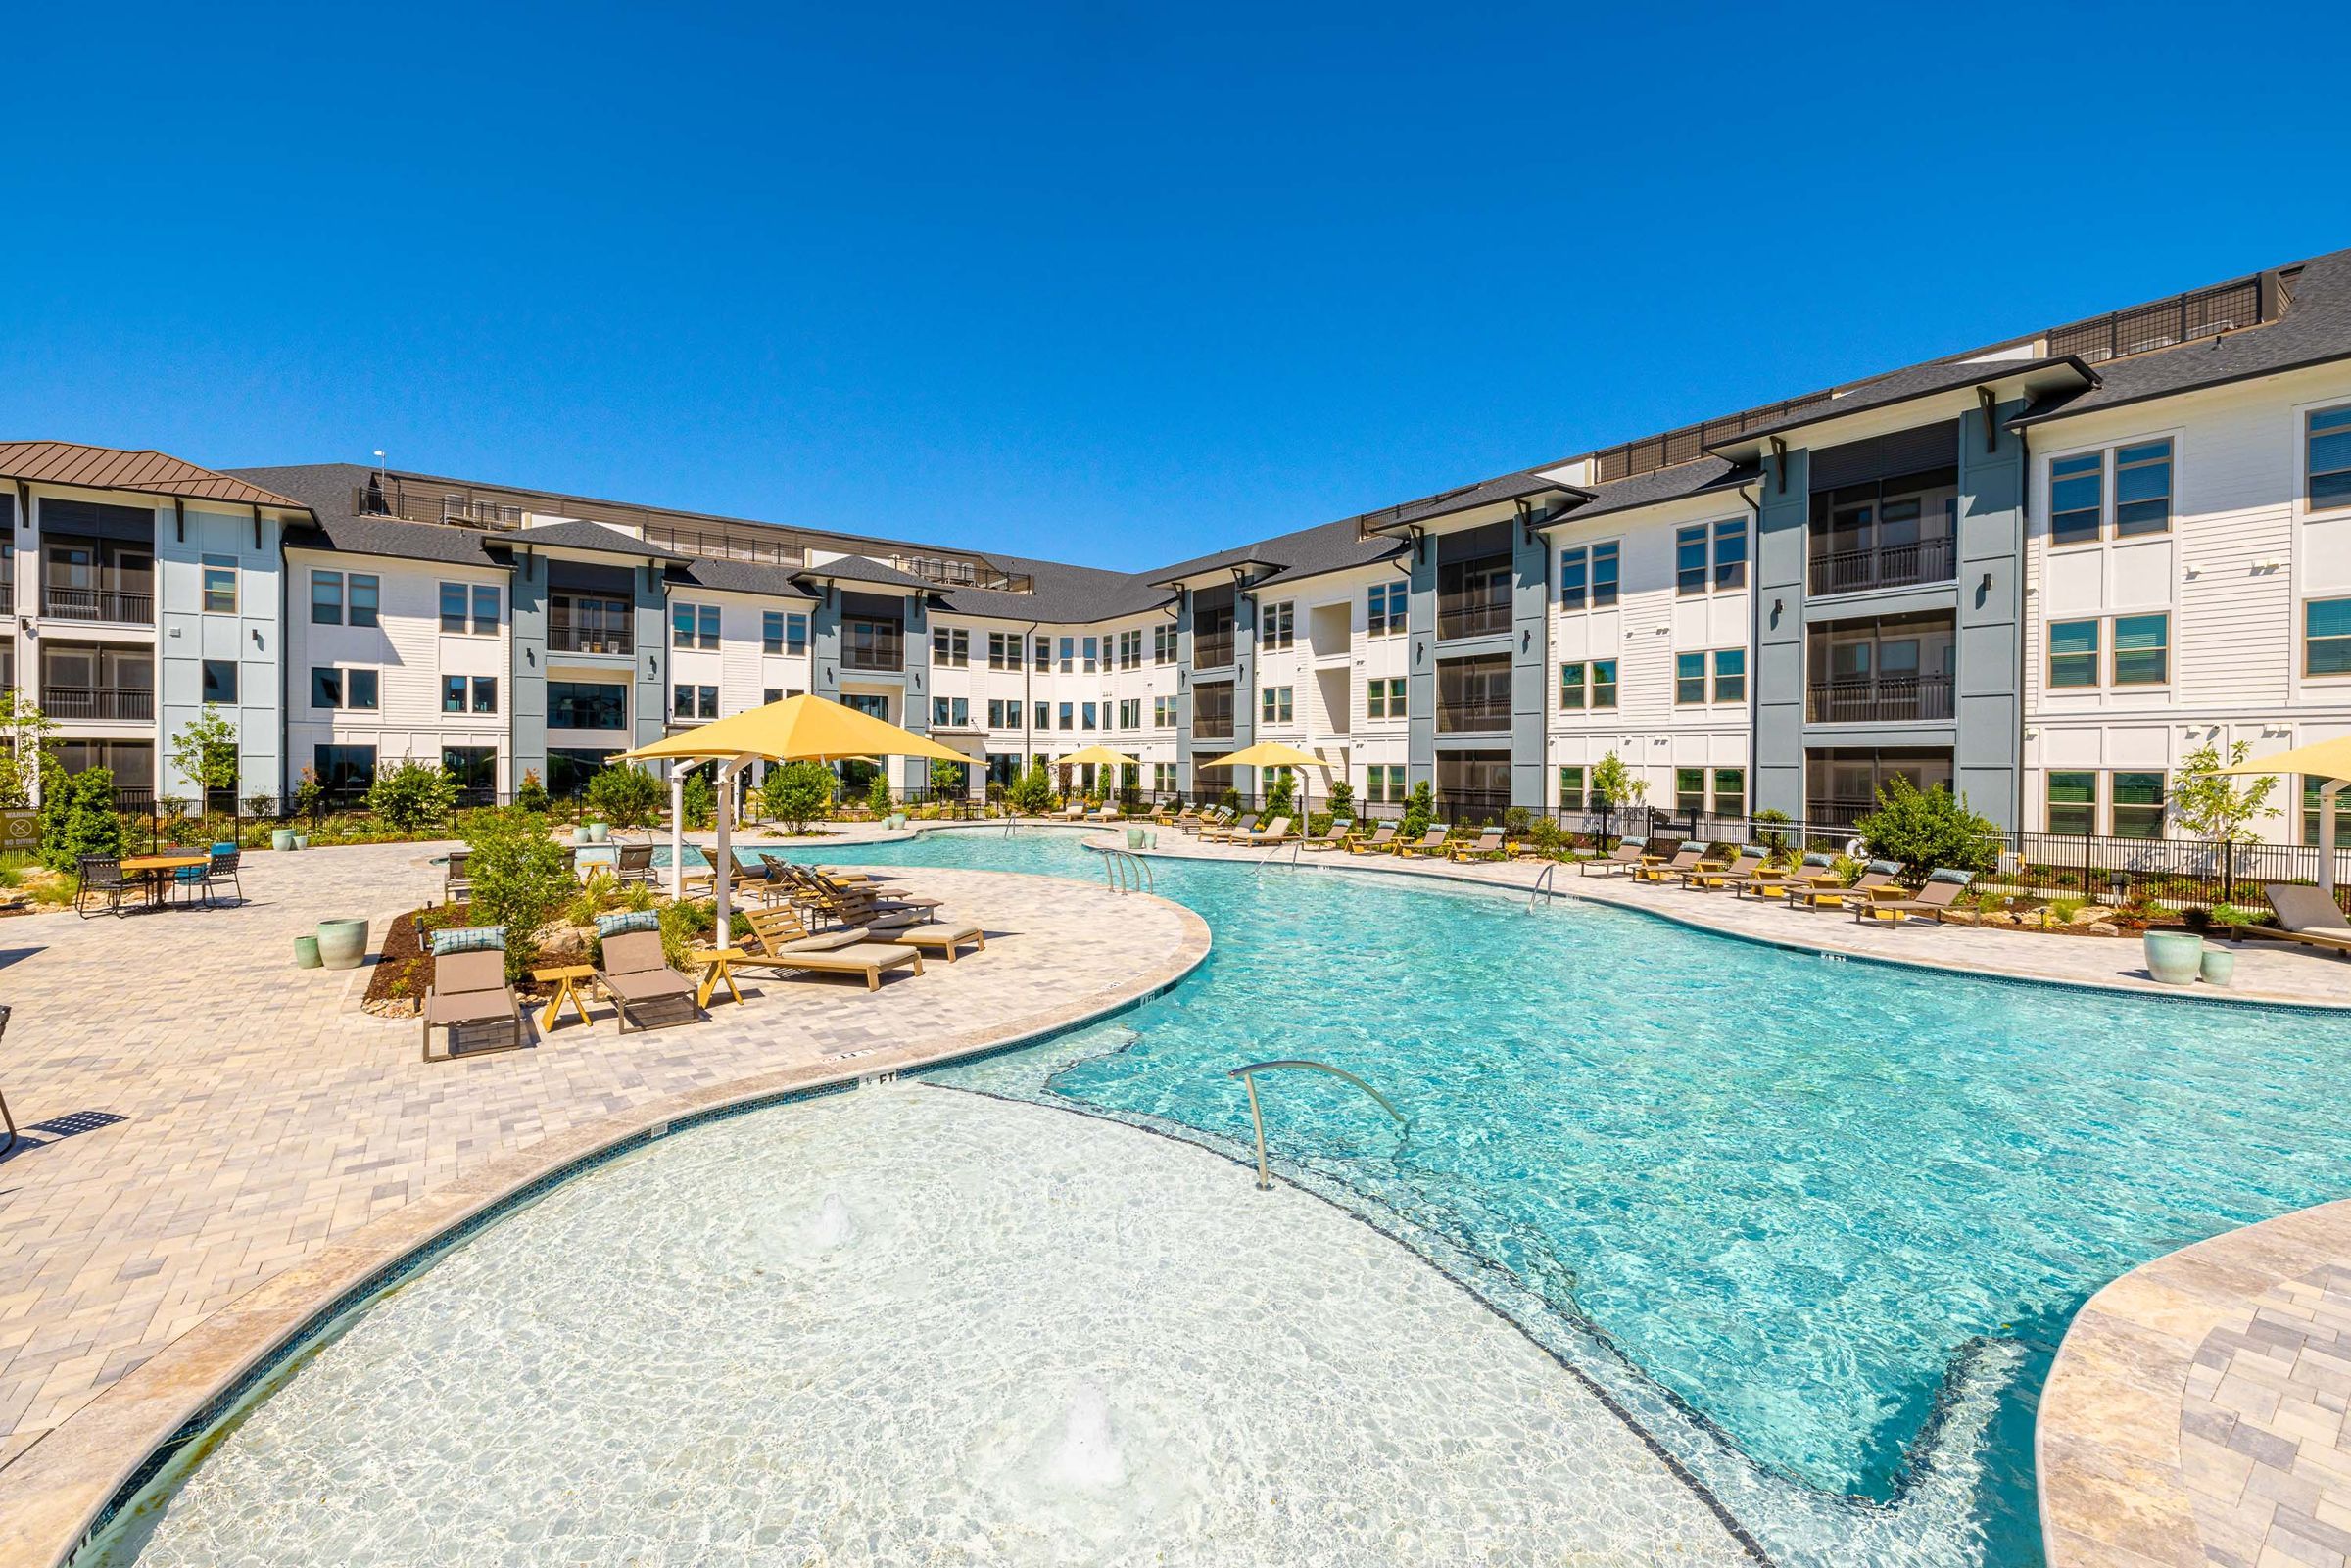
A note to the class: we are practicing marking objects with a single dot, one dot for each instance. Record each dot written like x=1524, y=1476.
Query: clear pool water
x=1819, y=1225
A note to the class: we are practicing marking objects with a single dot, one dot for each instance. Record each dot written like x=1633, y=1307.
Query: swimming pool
x=1814, y=1226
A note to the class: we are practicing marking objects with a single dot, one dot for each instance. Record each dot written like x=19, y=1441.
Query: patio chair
x=222, y=872
x=1240, y=829
x=1341, y=829
x=784, y=942
x=1432, y=843
x=1276, y=832
x=646, y=990
x=470, y=989
x=1934, y=900
x=1488, y=846
x=1625, y=857
x=1682, y=862
x=7, y=1119
x=1381, y=842
x=1824, y=895
x=101, y=878
x=457, y=882
x=636, y=864
x=1075, y=810
x=2305, y=916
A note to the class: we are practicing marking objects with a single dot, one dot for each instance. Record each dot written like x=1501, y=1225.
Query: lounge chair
x=636, y=864
x=1432, y=843
x=1106, y=812
x=646, y=990
x=457, y=884
x=1489, y=847
x=1073, y=811
x=1824, y=895
x=1817, y=869
x=470, y=989
x=1276, y=832
x=1683, y=861
x=783, y=942
x=1626, y=856
x=1935, y=899
x=2305, y=916
x=1744, y=864
x=1382, y=841
x=1224, y=835
x=1199, y=821
x=1340, y=830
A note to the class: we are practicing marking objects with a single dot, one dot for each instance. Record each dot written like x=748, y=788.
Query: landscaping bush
x=701, y=799
x=625, y=796
x=521, y=879
x=1231, y=799
x=1419, y=809
x=877, y=794
x=1281, y=801
x=1032, y=793
x=1927, y=828
x=78, y=819
x=796, y=794
x=309, y=798
x=412, y=795
x=1342, y=798
x=530, y=794
x=1770, y=838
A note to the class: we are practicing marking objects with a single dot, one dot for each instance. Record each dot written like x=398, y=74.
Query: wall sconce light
x=1985, y=587
x=530, y=656
x=1777, y=606
x=257, y=637
x=654, y=662
x=1525, y=638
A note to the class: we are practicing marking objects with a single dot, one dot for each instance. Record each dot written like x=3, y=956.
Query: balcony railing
x=98, y=702
x=1484, y=717
x=877, y=653
x=1888, y=698
x=1471, y=618
x=1853, y=571
x=98, y=604
x=591, y=639
x=1212, y=726
x=1213, y=651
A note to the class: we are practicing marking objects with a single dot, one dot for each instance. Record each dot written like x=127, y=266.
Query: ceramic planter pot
x=341, y=943
x=306, y=952
x=598, y=831
x=302, y=840
x=2219, y=966
x=281, y=838
x=2174, y=958
x=1134, y=839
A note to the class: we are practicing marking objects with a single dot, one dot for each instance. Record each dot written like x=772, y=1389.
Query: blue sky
x=1104, y=283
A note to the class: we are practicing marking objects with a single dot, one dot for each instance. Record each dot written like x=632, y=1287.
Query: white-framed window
x=462, y=693
x=2326, y=636
x=469, y=609
x=1275, y=705
x=1162, y=713
x=1163, y=777
x=950, y=713
x=349, y=690
x=2085, y=507
x=1093, y=655
x=219, y=584
x=1385, y=609
x=345, y=598
x=693, y=626
x=1045, y=656
x=1589, y=575
x=951, y=647
x=2327, y=460
x=1165, y=639
x=1281, y=626
x=783, y=632
x=694, y=701
x=1571, y=786
x=1383, y=698
x=1003, y=650
x=1589, y=684
x=1730, y=791
x=1130, y=713
x=1383, y=784
x=1709, y=556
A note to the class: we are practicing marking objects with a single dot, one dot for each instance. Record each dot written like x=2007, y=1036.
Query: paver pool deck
x=221, y=1142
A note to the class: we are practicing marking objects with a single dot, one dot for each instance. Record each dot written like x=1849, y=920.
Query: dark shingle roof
x=591, y=537
x=328, y=488
x=2315, y=328
x=1063, y=595
x=740, y=577
x=862, y=569
x=1468, y=498
x=1917, y=381
x=1666, y=484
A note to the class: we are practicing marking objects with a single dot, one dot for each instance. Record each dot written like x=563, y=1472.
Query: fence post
x=2087, y=893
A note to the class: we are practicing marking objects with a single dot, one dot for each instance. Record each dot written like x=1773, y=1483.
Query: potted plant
x=341, y=943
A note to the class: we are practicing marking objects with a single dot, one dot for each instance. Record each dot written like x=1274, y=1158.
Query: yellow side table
x=567, y=979
x=718, y=969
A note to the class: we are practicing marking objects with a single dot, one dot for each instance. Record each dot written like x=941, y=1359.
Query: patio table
x=157, y=871
x=718, y=969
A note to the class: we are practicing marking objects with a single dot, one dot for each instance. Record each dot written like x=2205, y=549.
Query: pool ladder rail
x=1543, y=887
x=1125, y=872
x=1257, y=1120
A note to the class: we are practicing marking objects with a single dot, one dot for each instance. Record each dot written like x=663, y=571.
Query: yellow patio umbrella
x=802, y=729
x=2329, y=760
x=1101, y=757
x=1274, y=754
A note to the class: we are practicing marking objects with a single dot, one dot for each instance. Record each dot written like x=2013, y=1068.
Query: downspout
x=1754, y=643
x=1027, y=692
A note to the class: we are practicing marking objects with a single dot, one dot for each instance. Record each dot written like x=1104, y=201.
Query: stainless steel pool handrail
x=1543, y=887
x=1257, y=1120
x=1275, y=854
x=1125, y=872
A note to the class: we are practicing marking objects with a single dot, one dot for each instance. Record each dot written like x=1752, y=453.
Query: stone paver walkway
x=202, y=1115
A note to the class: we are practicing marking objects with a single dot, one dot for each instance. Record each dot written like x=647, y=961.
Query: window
x=773, y=693
x=795, y=633
x=1130, y=710
x=1571, y=789
x=1003, y=650
x=1092, y=659
x=1689, y=791
x=1690, y=562
x=1571, y=686
x=1276, y=706
x=1594, y=684
x=1044, y=717
x=2142, y=649
x=1383, y=784
x=2076, y=497
x=2137, y=808
x=1282, y=625
x=2312, y=783
x=951, y=646
x=472, y=769
x=453, y=689
x=950, y=713
x=997, y=711
x=326, y=688
x=1164, y=640
x=1069, y=656
x=2143, y=488
x=691, y=626
x=1689, y=678
x=2328, y=458
x=1604, y=683
x=1045, y=654
x=326, y=598
x=359, y=689
x=484, y=614
x=1085, y=715
x=771, y=631
x=587, y=706
x=452, y=609
x=2073, y=654
x=219, y=584
x=694, y=701
x=1069, y=715
x=453, y=694
x=1163, y=777
x=343, y=769
x=2326, y=636
x=220, y=680
x=1730, y=556
x=1729, y=675
x=1385, y=615
x=1588, y=577
x=2072, y=803
x=485, y=694
x=1162, y=713
x=457, y=600
x=1384, y=699
x=1730, y=791
x=366, y=590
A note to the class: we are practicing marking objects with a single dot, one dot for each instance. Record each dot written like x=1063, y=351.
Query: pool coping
x=67, y=1488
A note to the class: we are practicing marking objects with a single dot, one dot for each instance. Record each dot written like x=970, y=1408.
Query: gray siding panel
x=1421, y=675
x=527, y=606
x=1988, y=754
x=1780, y=555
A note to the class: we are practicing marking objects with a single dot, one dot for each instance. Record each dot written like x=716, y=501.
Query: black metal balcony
x=1854, y=571
x=1476, y=716
x=98, y=604
x=98, y=702
x=589, y=639
x=1471, y=618
x=1886, y=699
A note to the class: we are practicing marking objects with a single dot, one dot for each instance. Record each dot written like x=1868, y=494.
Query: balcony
x=589, y=639
x=1884, y=699
x=1473, y=598
x=1854, y=571
x=98, y=604
x=77, y=702
x=1212, y=651
x=1467, y=619
x=579, y=623
x=873, y=645
x=1477, y=718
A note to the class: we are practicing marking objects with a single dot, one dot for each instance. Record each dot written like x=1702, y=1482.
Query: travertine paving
x=241, y=1113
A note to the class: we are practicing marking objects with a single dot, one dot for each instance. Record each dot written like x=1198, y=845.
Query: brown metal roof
x=64, y=462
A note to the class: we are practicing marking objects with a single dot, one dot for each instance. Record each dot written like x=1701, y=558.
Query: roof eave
x=1750, y=447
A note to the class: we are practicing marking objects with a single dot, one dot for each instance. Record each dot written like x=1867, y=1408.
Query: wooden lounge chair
x=1489, y=847
x=1744, y=864
x=1934, y=899
x=1106, y=812
x=1191, y=823
x=1073, y=811
x=470, y=989
x=1683, y=861
x=2305, y=916
x=1827, y=896
x=1432, y=843
x=1276, y=832
x=1625, y=857
x=1341, y=827
x=784, y=943
x=647, y=991
x=1382, y=841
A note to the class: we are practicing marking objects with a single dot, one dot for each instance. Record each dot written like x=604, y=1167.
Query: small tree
x=205, y=752
x=79, y=819
x=700, y=799
x=950, y=780
x=412, y=795
x=1773, y=839
x=309, y=797
x=531, y=794
x=1925, y=828
x=1342, y=798
x=521, y=879
x=1032, y=793
x=796, y=794
x=2212, y=804
x=1281, y=801
x=877, y=794
x=25, y=747
x=625, y=796
x=1615, y=786
x=1419, y=809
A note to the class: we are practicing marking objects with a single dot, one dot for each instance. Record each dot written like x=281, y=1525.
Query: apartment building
x=2042, y=572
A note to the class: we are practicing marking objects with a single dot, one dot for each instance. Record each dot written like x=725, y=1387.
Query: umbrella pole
x=2326, y=794
x=677, y=828
x=722, y=858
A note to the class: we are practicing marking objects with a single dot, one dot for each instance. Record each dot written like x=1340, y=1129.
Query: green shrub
x=412, y=795
x=1032, y=793
x=1342, y=798
x=597, y=891
x=701, y=799
x=1280, y=802
x=78, y=819
x=1768, y=837
x=1419, y=809
x=796, y=794
x=531, y=794
x=1923, y=829
x=1231, y=799
x=2235, y=917
x=877, y=794
x=521, y=879
x=625, y=796
x=309, y=798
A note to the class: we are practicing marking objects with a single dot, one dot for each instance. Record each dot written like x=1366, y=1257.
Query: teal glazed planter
x=341, y=943
x=306, y=953
x=302, y=840
x=2174, y=958
x=2219, y=966
x=281, y=838
x=598, y=831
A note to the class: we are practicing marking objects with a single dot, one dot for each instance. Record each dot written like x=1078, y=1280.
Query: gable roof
x=328, y=491
x=1703, y=477
x=593, y=537
x=863, y=569
x=154, y=473
x=1516, y=486
x=740, y=577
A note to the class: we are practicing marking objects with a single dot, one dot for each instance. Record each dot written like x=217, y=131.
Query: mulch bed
x=396, y=985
